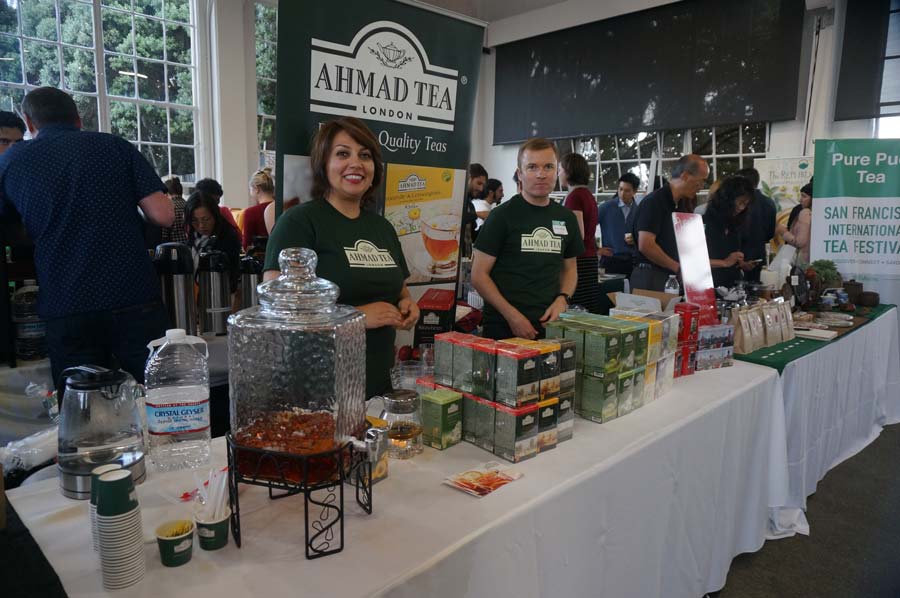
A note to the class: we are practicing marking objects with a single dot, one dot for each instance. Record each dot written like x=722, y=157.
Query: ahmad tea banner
x=856, y=211
x=411, y=74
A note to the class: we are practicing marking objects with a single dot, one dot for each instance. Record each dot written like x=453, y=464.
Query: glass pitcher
x=403, y=413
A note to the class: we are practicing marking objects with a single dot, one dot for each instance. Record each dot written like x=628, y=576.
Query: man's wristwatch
x=568, y=298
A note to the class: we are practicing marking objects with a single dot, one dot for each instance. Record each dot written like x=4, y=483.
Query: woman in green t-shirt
x=357, y=249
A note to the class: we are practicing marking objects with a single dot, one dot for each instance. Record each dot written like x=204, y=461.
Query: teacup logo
x=411, y=183
x=391, y=56
x=366, y=255
x=383, y=74
x=431, y=319
x=541, y=240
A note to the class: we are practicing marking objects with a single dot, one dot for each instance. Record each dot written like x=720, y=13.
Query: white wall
x=787, y=139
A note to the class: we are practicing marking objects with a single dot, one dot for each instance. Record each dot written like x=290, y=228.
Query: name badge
x=559, y=228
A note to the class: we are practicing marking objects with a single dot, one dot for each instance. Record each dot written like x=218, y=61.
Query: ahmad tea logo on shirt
x=541, y=240
x=411, y=183
x=366, y=255
x=384, y=75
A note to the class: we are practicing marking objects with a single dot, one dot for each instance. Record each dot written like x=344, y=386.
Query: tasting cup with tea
x=176, y=542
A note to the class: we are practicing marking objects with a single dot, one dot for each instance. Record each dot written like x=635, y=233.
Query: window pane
x=87, y=109
x=39, y=19
x=639, y=169
x=178, y=44
x=125, y=4
x=153, y=123
x=148, y=38
x=265, y=97
x=648, y=145
x=79, y=66
x=183, y=162
x=151, y=86
x=754, y=138
x=673, y=144
x=149, y=7
x=606, y=146
x=41, y=64
x=748, y=162
x=701, y=141
x=178, y=10
x=9, y=17
x=180, y=85
x=158, y=156
x=181, y=123
x=726, y=166
x=117, y=32
x=727, y=140
x=77, y=23
x=11, y=98
x=587, y=147
x=266, y=133
x=266, y=23
x=890, y=81
x=266, y=64
x=627, y=147
x=120, y=76
x=609, y=173
x=893, y=39
x=592, y=179
x=10, y=60
x=123, y=119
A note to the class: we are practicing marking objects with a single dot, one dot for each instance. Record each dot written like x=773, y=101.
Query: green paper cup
x=175, y=550
x=213, y=535
x=115, y=493
x=95, y=475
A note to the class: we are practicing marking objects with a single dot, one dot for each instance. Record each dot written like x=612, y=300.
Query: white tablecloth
x=656, y=503
x=836, y=401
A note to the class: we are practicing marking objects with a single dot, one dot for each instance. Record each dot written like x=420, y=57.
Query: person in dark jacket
x=726, y=222
x=761, y=218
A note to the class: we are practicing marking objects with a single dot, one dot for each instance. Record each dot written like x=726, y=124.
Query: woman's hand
x=381, y=313
x=734, y=257
x=409, y=311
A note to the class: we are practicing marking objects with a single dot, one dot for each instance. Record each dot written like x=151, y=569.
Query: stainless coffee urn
x=251, y=275
x=214, y=301
x=175, y=267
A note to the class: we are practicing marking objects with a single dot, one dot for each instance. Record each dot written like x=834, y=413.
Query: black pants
x=650, y=279
x=498, y=329
x=617, y=265
x=112, y=338
x=587, y=293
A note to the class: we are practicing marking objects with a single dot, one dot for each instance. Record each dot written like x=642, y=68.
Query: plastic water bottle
x=177, y=403
x=31, y=332
x=672, y=287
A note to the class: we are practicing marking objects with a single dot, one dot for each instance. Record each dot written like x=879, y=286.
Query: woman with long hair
x=725, y=221
x=799, y=223
x=346, y=170
x=208, y=230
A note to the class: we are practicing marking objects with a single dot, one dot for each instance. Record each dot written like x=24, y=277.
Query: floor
x=853, y=550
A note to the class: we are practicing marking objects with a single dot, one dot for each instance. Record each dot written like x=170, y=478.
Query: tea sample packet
x=483, y=480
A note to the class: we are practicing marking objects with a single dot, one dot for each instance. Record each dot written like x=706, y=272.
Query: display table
x=656, y=503
x=836, y=400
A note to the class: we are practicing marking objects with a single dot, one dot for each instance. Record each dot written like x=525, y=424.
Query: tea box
x=441, y=418
x=649, y=393
x=715, y=337
x=463, y=349
x=633, y=349
x=555, y=329
x=484, y=364
x=689, y=323
x=625, y=393
x=516, y=432
x=565, y=419
x=567, y=366
x=550, y=368
x=637, y=387
x=712, y=359
x=665, y=374
x=548, y=414
x=443, y=357
x=598, y=397
x=574, y=331
x=484, y=437
x=602, y=348
x=470, y=418
x=669, y=324
x=517, y=379
x=437, y=308
x=651, y=339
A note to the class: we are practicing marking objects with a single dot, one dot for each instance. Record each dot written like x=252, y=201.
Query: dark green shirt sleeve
x=293, y=229
x=492, y=236
x=575, y=247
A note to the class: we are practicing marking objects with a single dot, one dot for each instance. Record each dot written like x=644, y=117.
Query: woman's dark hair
x=722, y=203
x=476, y=170
x=173, y=186
x=795, y=211
x=199, y=199
x=210, y=187
x=321, y=152
x=577, y=170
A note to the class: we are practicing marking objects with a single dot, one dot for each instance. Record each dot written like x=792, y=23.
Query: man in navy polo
x=615, y=218
x=78, y=194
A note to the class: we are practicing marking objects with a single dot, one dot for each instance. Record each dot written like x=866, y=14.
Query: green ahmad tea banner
x=411, y=73
x=856, y=211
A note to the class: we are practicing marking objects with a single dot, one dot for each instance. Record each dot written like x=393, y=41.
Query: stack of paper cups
x=119, y=531
x=95, y=475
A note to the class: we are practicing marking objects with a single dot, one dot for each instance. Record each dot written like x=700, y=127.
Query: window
x=144, y=89
x=727, y=149
x=889, y=103
x=266, y=24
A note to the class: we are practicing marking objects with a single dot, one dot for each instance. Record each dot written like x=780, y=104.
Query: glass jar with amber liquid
x=403, y=413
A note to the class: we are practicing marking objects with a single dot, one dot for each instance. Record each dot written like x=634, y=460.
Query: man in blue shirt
x=615, y=218
x=78, y=194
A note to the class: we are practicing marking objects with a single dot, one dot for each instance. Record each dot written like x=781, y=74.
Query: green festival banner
x=856, y=211
x=411, y=73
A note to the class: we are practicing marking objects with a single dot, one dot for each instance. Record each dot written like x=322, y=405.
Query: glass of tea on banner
x=440, y=234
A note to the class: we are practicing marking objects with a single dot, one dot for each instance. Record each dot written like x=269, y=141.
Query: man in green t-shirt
x=524, y=261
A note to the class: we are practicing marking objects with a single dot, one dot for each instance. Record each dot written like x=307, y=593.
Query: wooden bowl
x=869, y=299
